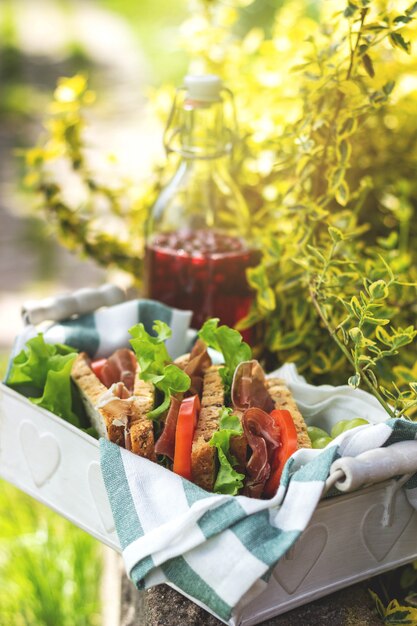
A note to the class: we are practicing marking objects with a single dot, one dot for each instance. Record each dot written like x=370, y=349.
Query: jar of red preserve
x=198, y=243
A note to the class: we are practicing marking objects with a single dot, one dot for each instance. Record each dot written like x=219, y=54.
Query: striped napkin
x=104, y=331
x=220, y=550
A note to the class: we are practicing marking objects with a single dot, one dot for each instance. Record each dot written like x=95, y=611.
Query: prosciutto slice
x=199, y=361
x=263, y=437
x=249, y=389
x=120, y=367
x=166, y=442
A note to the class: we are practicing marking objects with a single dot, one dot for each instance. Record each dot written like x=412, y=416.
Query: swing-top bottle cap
x=205, y=88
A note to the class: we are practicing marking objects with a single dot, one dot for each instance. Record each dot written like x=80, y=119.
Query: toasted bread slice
x=142, y=439
x=203, y=455
x=92, y=392
x=182, y=361
x=283, y=399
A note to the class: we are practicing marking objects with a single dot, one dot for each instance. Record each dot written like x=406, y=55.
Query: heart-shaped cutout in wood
x=294, y=567
x=41, y=452
x=101, y=500
x=379, y=539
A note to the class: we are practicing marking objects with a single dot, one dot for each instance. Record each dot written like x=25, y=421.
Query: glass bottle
x=197, y=235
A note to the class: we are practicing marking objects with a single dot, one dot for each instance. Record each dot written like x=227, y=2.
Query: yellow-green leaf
x=383, y=336
x=378, y=290
x=321, y=363
x=265, y=297
x=344, y=151
x=354, y=381
x=356, y=307
x=300, y=310
x=348, y=127
x=356, y=335
x=342, y=193
x=336, y=177
x=290, y=340
x=398, y=41
x=380, y=321
x=335, y=234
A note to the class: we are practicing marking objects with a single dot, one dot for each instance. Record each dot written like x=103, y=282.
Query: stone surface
x=353, y=606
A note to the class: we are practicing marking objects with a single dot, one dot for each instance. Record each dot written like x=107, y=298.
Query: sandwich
x=226, y=427
x=117, y=400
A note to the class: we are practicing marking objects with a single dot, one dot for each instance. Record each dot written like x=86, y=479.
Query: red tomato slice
x=187, y=421
x=97, y=367
x=288, y=446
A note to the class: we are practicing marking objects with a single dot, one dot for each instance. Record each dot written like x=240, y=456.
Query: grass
x=50, y=571
x=4, y=357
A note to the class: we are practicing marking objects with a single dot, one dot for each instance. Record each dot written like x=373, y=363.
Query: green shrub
x=326, y=162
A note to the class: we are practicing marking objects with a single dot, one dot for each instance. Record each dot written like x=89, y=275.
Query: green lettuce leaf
x=45, y=369
x=228, y=480
x=156, y=365
x=231, y=345
x=57, y=395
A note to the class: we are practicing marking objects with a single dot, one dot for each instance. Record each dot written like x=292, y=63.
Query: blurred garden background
x=50, y=571
x=324, y=93
x=124, y=47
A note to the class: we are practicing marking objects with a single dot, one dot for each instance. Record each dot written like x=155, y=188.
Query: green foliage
x=358, y=319
x=11, y=66
x=228, y=480
x=230, y=345
x=42, y=372
x=153, y=22
x=32, y=364
x=394, y=613
x=327, y=164
x=107, y=222
x=49, y=569
x=399, y=584
x=156, y=365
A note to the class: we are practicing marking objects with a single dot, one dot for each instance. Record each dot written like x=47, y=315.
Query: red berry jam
x=203, y=271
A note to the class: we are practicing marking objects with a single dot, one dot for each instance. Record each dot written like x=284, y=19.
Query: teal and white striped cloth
x=104, y=331
x=220, y=550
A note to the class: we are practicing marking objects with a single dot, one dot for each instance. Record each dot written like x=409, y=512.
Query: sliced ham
x=195, y=367
x=120, y=367
x=263, y=437
x=166, y=442
x=249, y=388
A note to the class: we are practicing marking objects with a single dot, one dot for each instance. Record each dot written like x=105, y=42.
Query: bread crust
x=86, y=380
x=283, y=399
x=203, y=455
x=92, y=390
x=142, y=439
x=182, y=361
